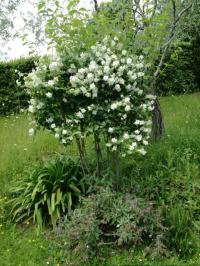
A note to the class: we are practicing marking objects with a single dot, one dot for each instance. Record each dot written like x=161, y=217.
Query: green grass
x=22, y=246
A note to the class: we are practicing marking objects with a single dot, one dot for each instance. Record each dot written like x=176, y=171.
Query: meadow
x=20, y=244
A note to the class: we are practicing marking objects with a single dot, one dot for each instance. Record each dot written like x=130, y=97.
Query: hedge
x=12, y=97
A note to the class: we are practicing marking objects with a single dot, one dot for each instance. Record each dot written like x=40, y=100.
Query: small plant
x=48, y=192
x=115, y=219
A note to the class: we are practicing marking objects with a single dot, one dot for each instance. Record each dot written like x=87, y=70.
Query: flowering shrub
x=100, y=93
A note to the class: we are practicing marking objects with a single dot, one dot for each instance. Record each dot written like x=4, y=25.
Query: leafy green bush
x=113, y=218
x=48, y=192
x=12, y=97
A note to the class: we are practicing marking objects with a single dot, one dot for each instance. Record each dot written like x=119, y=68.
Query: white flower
x=31, y=131
x=145, y=142
x=113, y=43
x=127, y=100
x=116, y=63
x=53, y=66
x=129, y=61
x=140, y=92
x=92, y=86
x=137, y=122
x=49, y=120
x=53, y=125
x=114, y=140
x=106, y=69
x=142, y=151
x=40, y=106
x=110, y=129
x=105, y=78
x=126, y=136
x=127, y=108
x=88, y=94
x=57, y=135
x=79, y=115
x=49, y=95
x=64, y=132
x=124, y=52
x=90, y=77
x=138, y=137
x=32, y=101
x=92, y=66
x=64, y=141
x=137, y=132
x=121, y=81
x=114, y=148
x=51, y=82
x=83, y=110
x=132, y=146
x=113, y=106
x=140, y=74
x=117, y=87
x=108, y=145
x=31, y=109
x=111, y=81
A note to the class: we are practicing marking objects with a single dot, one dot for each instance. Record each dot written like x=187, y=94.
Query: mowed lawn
x=19, y=245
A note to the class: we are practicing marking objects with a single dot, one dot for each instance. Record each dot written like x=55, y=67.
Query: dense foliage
x=12, y=97
x=179, y=74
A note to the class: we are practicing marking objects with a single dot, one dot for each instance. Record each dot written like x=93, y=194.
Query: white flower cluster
x=104, y=93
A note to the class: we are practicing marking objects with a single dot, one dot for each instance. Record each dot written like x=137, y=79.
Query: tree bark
x=158, y=128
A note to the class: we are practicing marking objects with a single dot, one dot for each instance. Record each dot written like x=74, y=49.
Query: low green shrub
x=48, y=192
x=116, y=219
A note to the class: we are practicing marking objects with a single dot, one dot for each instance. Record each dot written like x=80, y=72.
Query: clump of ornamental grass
x=46, y=193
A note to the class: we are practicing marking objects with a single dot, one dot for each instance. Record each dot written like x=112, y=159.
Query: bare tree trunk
x=158, y=126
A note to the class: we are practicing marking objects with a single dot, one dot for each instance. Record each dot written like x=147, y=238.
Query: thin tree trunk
x=158, y=126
